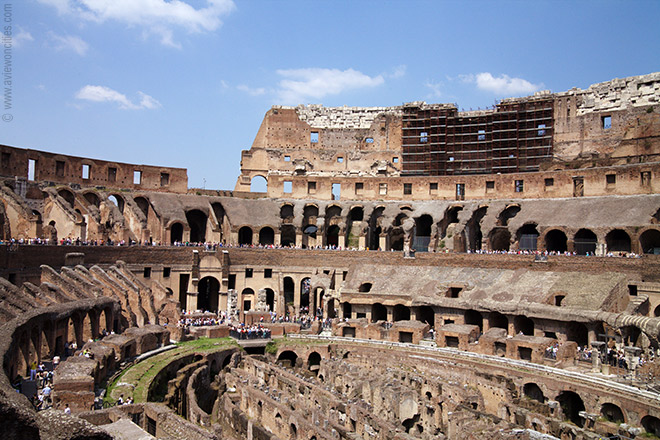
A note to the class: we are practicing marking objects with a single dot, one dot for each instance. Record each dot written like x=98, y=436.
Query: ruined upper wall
x=37, y=165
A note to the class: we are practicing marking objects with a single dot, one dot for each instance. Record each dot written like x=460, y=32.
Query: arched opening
x=451, y=217
x=287, y=359
x=617, y=240
x=332, y=236
x=248, y=299
x=305, y=288
x=197, y=222
x=332, y=311
x=68, y=196
x=310, y=228
x=422, y=233
x=578, y=333
x=500, y=239
x=612, y=413
x=245, y=236
x=143, y=204
x=652, y=425
x=507, y=214
x=650, y=241
x=571, y=405
x=396, y=239
x=176, y=233
x=523, y=325
x=656, y=312
x=286, y=213
x=375, y=228
x=532, y=391
x=347, y=310
x=314, y=362
x=528, y=237
x=473, y=228
x=118, y=201
x=378, y=312
x=365, y=287
x=289, y=288
x=401, y=313
x=585, y=242
x=498, y=320
x=472, y=317
x=259, y=184
x=354, y=227
x=630, y=335
x=219, y=212
x=556, y=241
x=426, y=314
x=270, y=299
x=208, y=290
x=288, y=235
x=92, y=199
x=266, y=236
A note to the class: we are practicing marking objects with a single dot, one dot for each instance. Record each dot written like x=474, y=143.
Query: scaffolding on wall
x=438, y=140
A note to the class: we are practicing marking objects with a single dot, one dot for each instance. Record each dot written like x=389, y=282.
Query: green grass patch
x=135, y=381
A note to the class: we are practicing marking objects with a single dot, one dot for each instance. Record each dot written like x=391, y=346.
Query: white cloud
x=106, y=94
x=69, y=42
x=501, y=85
x=315, y=83
x=250, y=91
x=436, y=88
x=398, y=72
x=157, y=17
x=21, y=36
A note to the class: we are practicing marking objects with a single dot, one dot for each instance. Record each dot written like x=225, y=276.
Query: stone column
x=598, y=350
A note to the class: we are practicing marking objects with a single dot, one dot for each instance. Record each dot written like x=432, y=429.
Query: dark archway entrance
x=208, y=290
x=527, y=237
x=585, y=242
x=197, y=222
x=378, y=312
x=422, y=238
x=556, y=241
x=245, y=236
x=401, y=313
x=266, y=236
x=571, y=405
x=176, y=233
x=617, y=240
x=332, y=236
x=650, y=241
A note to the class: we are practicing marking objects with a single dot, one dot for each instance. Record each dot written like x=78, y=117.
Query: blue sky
x=186, y=83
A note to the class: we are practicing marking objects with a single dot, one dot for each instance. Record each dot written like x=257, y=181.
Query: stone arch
x=118, y=201
x=286, y=213
x=365, y=287
x=287, y=358
x=498, y=320
x=331, y=309
x=527, y=236
x=473, y=228
x=651, y=424
x=649, y=241
x=143, y=204
x=534, y=392
x=473, y=317
x=422, y=233
x=68, y=196
x=305, y=292
x=585, y=241
x=259, y=183
x=288, y=235
x=354, y=226
x=332, y=235
x=92, y=198
x=612, y=413
x=499, y=239
x=248, y=298
x=556, y=241
x=450, y=217
x=577, y=332
x=523, y=324
x=208, y=292
x=314, y=361
x=347, y=310
x=571, y=405
x=245, y=236
x=378, y=312
x=289, y=290
x=197, y=222
x=219, y=212
x=375, y=228
x=270, y=299
x=401, y=313
x=426, y=314
x=266, y=236
x=507, y=214
x=176, y=232
x=618, y=240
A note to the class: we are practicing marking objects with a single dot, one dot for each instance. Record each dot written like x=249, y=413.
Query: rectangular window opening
x=382, y=189
x=549, y=182
x=59, y=168
x=610, y=179
x=460, y=191
x=607, y=122
x=359, y=186
x=85, y=172
x=336, y=191
x=519, y=186
x=287, y=158
x=248, y=272
x=423, y=137
x=5, y=160
x=481, y=135
x=288, y=187
x=369, y=140
x=231, y=281
x=268, y=273
x=395, y=160
x=340, y=159
x=314, y=137
x=646, y=178
x=540, y=130
x=407, y=189
x=32, y=169
x=433, y=187
x=167, y=271
x=311, y=187
x=147, y=272
x=490, y=184
x=137, y=177
x=112, y=174
x=164, y=179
